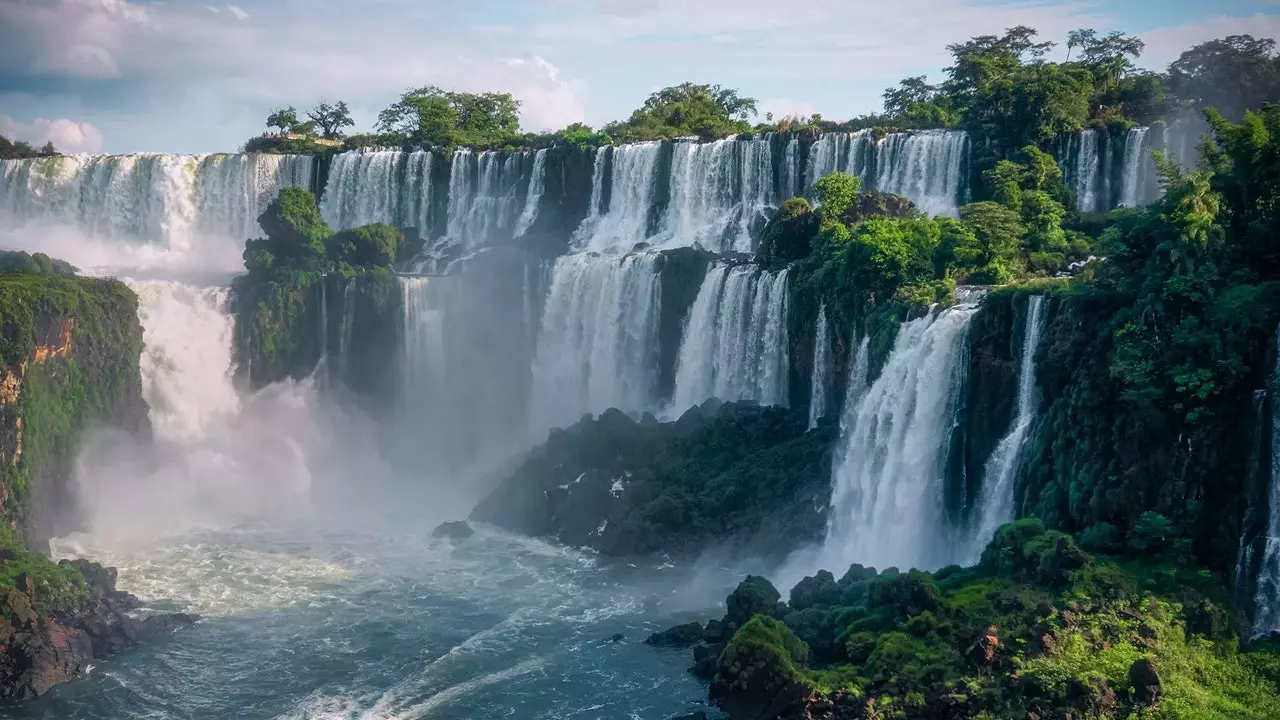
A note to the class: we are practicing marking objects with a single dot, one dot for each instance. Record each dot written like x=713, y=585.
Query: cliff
x=735, y=473
x=69, y=363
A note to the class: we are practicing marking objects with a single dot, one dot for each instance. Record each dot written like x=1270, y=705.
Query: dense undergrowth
x=1040, y=628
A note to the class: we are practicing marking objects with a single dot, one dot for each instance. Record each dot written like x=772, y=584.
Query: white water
x=188, y=205
x=1001, y=470
x=858, y=384
x=598, y=343
x=379, y=186
x=735, y=341
x=887, y=503
x=820, y=378
x=1267, y=598
x=537, y=182
x=1133, y=171
x=484, y=196
x=1086, y=171
x=624, y=221
x=925, y=167
x=721, y=193
x=791, y=180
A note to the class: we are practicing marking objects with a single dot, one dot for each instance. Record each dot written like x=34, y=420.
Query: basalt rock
x=38, y=652
x=684, y=635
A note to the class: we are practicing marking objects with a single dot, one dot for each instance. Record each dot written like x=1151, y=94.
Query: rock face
x=39, y=651
x=679, y=636
x=455, y=530
x=733, y=472
x=69, y=362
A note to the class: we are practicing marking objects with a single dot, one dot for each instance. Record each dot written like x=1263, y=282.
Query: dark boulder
x=1145, y=681
x=753, y=596
x=819, y=590
x=453, y=530
x=684, y=635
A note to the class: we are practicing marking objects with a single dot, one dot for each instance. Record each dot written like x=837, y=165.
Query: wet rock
x=1145, y=681
x=704, y=660
x=818, y=590
x=753, y=596
x=453, y=530
x=684, y=635
x=715, y=632
x=615, y=638
x=691, y=716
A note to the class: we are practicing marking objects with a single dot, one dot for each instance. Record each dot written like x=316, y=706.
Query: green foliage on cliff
x=19, y=261
x=433, y=117
x=69, y=358
x=51, y=587
x=1038, y=627
x=707, y=111
x=19, y=149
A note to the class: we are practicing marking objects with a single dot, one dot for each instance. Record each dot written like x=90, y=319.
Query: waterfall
x=721, y=193
x=735, y=340
x=346, y=324
x=887, y=501
x=821, y=376
x=378, y=186
x=1086, y=171
x=1267, y=598
x=532, y=198
x=422, y=364
x=484, y=196
x=1001, y=470
x=597, y=347
x=851, y=153
x=791, y=181
x=171, y=202
x=858, y=383
x=1133, y=171
x=186, y=362
x=625, y=220
x=927, y=167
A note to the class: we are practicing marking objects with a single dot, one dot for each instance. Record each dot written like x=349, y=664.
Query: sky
x=191, y=77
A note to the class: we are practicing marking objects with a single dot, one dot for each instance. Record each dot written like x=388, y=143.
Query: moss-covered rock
x=731, y=472
x=69, y=349
x=1038, y=629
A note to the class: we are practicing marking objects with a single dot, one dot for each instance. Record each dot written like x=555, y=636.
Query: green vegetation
x=279, y=300
x=68, y=362
x=18, y=149
x=1038, y=626
x=51, y=587
x=21, y=262
x=707, y=111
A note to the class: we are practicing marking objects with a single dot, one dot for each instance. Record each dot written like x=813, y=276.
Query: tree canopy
x=442, y=118
x=707, y=111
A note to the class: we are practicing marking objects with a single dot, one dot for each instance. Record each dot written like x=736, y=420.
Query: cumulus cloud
x=67, y=136
x=201, y=76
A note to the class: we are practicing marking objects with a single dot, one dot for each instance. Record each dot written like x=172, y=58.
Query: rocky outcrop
x=68, y=364
x=39, y=650
x=737, y=473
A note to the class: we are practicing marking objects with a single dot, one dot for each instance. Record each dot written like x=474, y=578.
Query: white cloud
x=1166, y=44
x=67, y=136
x=238, y=12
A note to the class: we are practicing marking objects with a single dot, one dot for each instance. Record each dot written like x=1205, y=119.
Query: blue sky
x=179, y=76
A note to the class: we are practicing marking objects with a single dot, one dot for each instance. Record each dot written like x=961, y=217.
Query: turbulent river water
x=319, y=622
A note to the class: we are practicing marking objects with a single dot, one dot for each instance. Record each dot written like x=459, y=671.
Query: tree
x=433, y=116
x=283, y=118
x=294, y=227
x=331, y=119
x=375, y=244
x=1233, y=74
x=708, y=111
x=48, y=150
x=835, y=194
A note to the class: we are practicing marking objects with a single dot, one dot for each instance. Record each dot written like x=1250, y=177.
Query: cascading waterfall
x=1132, y=171
x=791, y=179
x=887, y=502
x=1267, y=598
x=534, y=196
x=598, y=342
x=1084, y=169
x=853, y=153
x=169, y=201
x=378, y=186
x=625, y=220
x=1002, y=467
x=926, y=167
x=422, y=343
x=484, y=196
x=735, y=340
x=721, y=193
x=820, y=378
x=186, y=364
